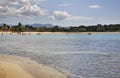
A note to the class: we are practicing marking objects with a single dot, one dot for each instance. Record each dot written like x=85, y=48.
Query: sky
x=60, y=12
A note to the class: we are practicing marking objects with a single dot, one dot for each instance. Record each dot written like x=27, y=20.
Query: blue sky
x=60, y=12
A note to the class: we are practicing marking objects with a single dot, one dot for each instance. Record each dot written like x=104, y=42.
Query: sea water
x=76, y=55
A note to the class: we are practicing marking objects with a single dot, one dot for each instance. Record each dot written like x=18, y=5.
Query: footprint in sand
x=2, y=73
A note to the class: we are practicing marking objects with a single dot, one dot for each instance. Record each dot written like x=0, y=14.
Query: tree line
x=82, y=28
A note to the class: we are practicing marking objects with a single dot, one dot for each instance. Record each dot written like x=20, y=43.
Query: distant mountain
x=41, y=25
x=1, y=24
x=35, y=25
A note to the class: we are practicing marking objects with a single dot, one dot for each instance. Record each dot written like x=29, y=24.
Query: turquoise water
x=77, y=55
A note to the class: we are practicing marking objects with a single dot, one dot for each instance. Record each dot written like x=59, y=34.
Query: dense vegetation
x=82, y=28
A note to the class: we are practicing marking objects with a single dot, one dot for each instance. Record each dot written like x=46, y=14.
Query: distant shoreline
x=40, y=33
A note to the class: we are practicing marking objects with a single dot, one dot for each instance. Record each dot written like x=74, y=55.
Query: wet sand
x=19, y=67
x=9, y=70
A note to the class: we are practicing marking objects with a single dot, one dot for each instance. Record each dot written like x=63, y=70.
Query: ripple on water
x=95, y=56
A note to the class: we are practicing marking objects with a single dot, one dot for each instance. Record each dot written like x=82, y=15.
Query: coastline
x=40, y=33
x=10, y=70
x=25, y=68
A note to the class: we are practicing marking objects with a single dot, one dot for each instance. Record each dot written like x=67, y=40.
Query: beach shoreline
x=10, y=70
x=40, y=33
x=26, y=68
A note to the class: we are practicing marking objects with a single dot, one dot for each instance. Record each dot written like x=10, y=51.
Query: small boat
x=38, y=34
x=89, y=33
x=2, y=33
x=23, y=34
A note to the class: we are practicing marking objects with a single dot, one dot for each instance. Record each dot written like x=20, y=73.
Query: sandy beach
x=9, y=70
x=42, y=33
x=19, y=67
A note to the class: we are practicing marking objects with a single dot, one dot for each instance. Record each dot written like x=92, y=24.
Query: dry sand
x=40, y=33
x=19, y=67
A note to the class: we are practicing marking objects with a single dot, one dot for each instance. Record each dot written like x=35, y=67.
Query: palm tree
x=5, y=27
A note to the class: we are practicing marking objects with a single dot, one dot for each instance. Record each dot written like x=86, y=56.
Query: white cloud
x=94, y=6
x=79, y=18
x=60, y=15
x=5, y=11
x=31, y=10
x=63, y=15
x=20, y=8
x=13, y=2
x=65, y=5
x=37, y=1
